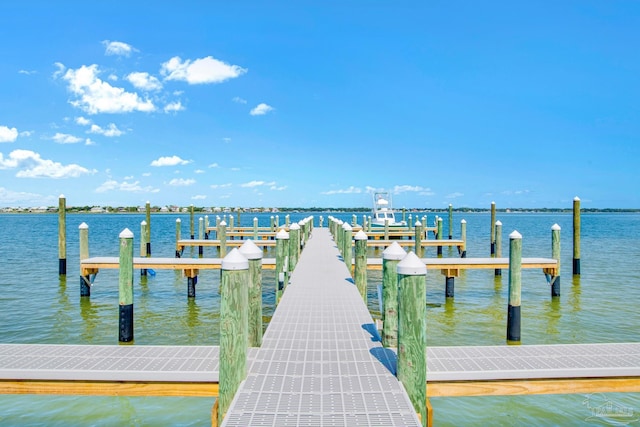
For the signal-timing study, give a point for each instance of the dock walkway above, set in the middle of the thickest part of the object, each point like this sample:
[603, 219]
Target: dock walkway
[319, 361]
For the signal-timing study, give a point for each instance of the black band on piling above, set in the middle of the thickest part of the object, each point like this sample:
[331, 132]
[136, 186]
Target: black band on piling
[513, 323]
[126, 323]
[143, 271]
[439, 250]
[62, 266]
[85, 289]
[498, 272]
[191, 286]
[200, 250]
[493, 248]
[449, 287]
[464, 254]
[148, 248]
[193, 236]
[576, 266]
[555, 286]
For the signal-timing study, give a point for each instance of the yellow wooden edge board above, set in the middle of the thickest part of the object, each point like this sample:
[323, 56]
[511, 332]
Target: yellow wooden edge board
[110, 388]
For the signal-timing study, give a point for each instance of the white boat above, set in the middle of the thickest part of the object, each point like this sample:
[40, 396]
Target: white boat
[383, 211]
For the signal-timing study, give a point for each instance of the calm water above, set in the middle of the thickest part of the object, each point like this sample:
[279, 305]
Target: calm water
[38, 306]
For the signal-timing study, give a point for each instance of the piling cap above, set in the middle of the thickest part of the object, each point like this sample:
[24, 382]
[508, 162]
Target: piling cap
[498, 223]
[83, 225]
[178, 220]
[464, 221]
[412, 266]
[200, 219]
[143, 222]
[515, 235]
[555, 227]
[126, 234]
[394, 252]
[235, 261]
[439, 219]
[417, 224]
[250, 250]
[346, 227]
[575, 199]
[294, 226]
[223, 223]
[282, 234]
[360, 235]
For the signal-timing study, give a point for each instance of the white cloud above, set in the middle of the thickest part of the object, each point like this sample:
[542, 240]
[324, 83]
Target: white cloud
[27, 72]
[199, 197]
[65, 138]
[8, 197]
[216, 186]
[60, 69]
[214, 165]
[97, 96]
[26, 133]
[173, 106]
[169, 161]
[118, 48]
[125, 186]
[8, 134]
[111, 130]
[88, 141]
[198, 171]
[261, 109]
[144, 81]
[82, 121]
[405, 188]
[199, 71]
[454, 195]
[239, 100]
[31, 165]
[350, 190]
[281, 188]
[181, 182]
[252, 184]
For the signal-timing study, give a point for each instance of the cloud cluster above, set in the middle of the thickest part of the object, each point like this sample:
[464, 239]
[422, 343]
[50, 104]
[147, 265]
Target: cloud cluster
[8, 134]
[169, 161]
[200, 71]
[261, 109]
[31, 165]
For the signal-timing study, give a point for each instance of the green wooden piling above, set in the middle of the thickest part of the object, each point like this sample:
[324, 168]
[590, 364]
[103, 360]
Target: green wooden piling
[231, 225]
[206, 226]
[143, 244]
[450, 221]
[498, 240]
[272, 223]
[412, 331]
[555, 254]
[255, 228]
[191, 223]
[515, 282]
[85, 281]
[147, 209]
[294, 245]
[418, 239]
[125, 287]
[254, 255]
[440, 236]
[348, 243]
[360, 270]
[463, 237]
[493, 231]
[576, 235]
[391, 256]
[282, 252]
[404, 214]
[410, 223]
[200, 234]
[234, 296]
[239, 212]
[62, 235]
[222, 236]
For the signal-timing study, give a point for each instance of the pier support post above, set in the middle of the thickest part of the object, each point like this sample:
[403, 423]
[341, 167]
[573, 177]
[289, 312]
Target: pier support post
[391, 256]
[576, 235]
[515, 278]
[200, 234]
[222, 236]
[321, 221]
[410, 223]
[255, 228]
[125, 288]
[463, 237]
[282, 260]
[440, 236]
[360, 271]
[206, 227]
[148, 219]
[272, 223]
[143, 245]
[254, 256]
[231, 222]
[178, 226]
[386, 229]
[191, 286]
[450, 221]
[62, 235]
[449, 286]
[412, 331]
[555, 254]
[347, 242]
[233, 327]
[493, 230]
[418, 239]
[498, 240]
[85, 281]
[294, 245]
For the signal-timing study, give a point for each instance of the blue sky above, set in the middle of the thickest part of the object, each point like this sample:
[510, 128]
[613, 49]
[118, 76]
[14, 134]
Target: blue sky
[527, 104]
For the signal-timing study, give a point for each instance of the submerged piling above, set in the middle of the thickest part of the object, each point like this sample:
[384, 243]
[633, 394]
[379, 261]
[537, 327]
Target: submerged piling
[515, 282]
[576, 235]
[62, 235]
[85, 281]
[555, 254]
[125, 287]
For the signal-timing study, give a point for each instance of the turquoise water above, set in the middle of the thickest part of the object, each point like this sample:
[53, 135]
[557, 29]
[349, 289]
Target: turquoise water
[41, 307]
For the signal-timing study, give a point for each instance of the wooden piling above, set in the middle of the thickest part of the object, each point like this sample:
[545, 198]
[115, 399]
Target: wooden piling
[178, 232]
[418, 239]
[254, 256]
[391, 256]
[440, 235]
[143, 244]
[148, 219]
[282, 252]
[360, 271]
[493, 230]
[386, 229]
[498, 245]
[412, 331]
[450, 221]
[125, 287]
[62, 235]
[347, 242]
[191, 225]
[410, 223]
[294, 245]
[255, 228]
[200, 234]
[576, 235]
[233, 327]
[463, 237]
[222, 236]
[206, 227]
[555, 254]
[231, 225]
[85, 281]
[272, 224]
[515, 285]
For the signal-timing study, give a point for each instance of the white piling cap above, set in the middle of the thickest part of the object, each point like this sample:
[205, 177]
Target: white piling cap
[360, 235]
[255, 218]
[294, 226]
[498, 222]
[250, 250]
[577, 199]
[235, 261]
[282, 234]
[418, 224]
[178, 220]
[515, 235]
[394, 252]
[126, 234]
[200, 219]
[143, 222]
[223, 223]
[346, 227]
[439, 219]
[61, 196]
[83, 225]
[464, 221]
[412, 266]
[555, 227]
[493, 203]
